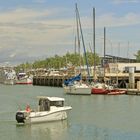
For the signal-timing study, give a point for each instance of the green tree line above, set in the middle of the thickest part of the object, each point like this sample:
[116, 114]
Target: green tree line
[57, 62]
[138, 56]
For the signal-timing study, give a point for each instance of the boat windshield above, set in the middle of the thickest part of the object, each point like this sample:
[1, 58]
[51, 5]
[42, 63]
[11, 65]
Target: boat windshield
[57, 103]
[44, 104]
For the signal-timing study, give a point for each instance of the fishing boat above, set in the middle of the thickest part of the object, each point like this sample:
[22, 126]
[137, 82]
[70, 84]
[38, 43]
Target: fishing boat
[23, 78]
[49, 109]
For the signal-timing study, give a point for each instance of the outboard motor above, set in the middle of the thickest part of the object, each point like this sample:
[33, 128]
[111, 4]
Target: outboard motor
[20, 117]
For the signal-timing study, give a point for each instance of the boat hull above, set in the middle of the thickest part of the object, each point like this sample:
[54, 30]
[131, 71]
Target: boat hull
[117, 92]
[48, 117]
[99, 91]
[24, 81]
[9, 82]
[107, 91]
[77, 91]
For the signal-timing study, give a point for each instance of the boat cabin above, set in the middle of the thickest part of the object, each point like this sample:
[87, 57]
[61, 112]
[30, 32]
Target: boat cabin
[21, 75]
[45, 103]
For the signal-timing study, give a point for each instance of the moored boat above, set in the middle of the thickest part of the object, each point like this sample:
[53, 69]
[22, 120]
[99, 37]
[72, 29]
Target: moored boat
[76, 86]
[78, 89]
[99, 91]
[23, 78]
[116, 92]
[49, 109]
[7, 76]
[106, 90]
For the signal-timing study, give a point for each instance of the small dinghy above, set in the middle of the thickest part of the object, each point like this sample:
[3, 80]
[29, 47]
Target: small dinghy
[49, 109]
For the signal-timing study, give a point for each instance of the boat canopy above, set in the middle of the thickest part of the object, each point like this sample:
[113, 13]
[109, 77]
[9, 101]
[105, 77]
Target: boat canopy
[22, 73]
[51, 98]
[46, 102]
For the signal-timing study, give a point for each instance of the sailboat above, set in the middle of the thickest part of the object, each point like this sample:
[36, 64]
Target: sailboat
[75, 85]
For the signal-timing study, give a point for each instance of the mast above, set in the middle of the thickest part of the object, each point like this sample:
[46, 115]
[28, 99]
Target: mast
[94, 41]
[83, 41]
[75, 45]
[78, 37]
[104, 49]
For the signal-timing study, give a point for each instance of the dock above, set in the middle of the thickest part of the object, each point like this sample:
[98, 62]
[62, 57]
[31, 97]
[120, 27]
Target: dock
[133, 92]
[57, 81]
[53, 81]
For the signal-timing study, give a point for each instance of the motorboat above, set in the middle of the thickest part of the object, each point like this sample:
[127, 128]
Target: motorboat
[23, 78]
[49, 109]
[101, 88]
[78, 88]
[7, 76]
[117, 92]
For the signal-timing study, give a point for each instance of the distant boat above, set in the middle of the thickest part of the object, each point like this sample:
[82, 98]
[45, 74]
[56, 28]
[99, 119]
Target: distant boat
[104, 89]
[23, 78]
[7, 76]
[50, 109]
[78, 89]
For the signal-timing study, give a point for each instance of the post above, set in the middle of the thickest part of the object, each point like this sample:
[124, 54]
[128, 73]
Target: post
[138, 85]
[131, 78]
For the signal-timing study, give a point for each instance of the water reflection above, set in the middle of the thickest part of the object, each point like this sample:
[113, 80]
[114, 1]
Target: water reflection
[43, 131]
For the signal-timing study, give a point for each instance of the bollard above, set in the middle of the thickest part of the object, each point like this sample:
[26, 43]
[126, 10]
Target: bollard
[131, 78]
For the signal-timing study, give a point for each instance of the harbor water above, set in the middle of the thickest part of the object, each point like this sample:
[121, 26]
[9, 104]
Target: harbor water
[93, 117]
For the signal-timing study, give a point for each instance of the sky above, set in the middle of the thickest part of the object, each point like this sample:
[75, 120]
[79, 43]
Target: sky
[33, 30]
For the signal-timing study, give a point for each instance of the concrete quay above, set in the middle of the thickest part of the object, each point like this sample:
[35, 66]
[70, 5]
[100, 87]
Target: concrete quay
[133, 92]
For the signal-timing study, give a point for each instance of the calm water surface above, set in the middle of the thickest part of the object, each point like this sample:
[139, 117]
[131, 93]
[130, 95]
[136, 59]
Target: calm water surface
[94, 117]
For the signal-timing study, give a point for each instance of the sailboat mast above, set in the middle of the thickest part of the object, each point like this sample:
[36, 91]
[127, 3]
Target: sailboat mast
[83, 41]
[78, 38]
[104, 49]
[94, 41]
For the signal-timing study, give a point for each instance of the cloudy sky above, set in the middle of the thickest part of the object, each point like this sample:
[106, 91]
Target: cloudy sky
[37, 29]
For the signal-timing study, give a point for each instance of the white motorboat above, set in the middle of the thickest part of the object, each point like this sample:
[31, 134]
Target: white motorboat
[23, 78]
[7, 76]
[78, 88]
[49, 109]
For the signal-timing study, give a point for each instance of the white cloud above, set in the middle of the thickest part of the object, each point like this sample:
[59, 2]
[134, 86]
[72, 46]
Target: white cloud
[112, 20]
[21, 15]
[29, 31]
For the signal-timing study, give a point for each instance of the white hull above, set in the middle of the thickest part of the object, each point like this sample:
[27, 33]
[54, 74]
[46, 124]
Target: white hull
[24, 81]
[9, 82]
[46, 116]
[77, 90]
